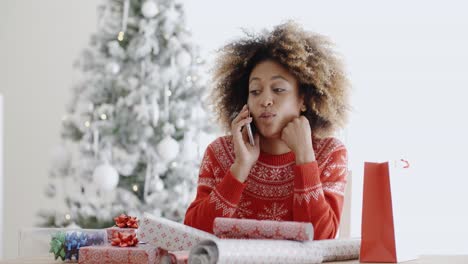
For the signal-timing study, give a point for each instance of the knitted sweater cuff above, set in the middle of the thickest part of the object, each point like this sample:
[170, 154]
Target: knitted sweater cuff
[230, 188]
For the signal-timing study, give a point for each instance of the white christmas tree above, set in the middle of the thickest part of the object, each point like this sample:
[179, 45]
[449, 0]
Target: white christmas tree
[136, 126]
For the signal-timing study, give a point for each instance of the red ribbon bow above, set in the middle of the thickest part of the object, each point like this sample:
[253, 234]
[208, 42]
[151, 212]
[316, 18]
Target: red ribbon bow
[124, 240]
[125, 221]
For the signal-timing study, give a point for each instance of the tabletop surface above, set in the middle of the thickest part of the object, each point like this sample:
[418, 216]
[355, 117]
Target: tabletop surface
[429, 259]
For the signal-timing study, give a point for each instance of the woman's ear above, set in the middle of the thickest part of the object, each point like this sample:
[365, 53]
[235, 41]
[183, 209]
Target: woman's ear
[303, 105]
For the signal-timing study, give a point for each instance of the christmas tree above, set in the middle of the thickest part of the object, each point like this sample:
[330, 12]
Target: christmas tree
[136, 127]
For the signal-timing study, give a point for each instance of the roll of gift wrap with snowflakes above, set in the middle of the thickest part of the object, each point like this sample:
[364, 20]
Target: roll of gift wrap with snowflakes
[339, 249]
[254, 251]
[274, 251]
[262, 229]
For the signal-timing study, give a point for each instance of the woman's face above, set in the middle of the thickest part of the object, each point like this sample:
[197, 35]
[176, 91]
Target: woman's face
[273, 98]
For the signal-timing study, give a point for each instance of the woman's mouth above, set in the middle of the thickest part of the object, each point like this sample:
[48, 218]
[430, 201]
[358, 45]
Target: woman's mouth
[267, 115]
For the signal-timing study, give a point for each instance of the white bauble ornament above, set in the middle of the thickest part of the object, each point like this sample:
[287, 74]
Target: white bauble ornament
[159, 186]
[149, 9]
[168, 149]
[180, 123]
[106, 177]
[112, 67]
[184, 59]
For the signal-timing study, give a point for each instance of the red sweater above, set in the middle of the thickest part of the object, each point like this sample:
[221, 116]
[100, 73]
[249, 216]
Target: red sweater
[276, 188]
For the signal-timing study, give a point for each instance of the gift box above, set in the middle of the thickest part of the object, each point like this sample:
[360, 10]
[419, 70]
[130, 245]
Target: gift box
[142, 253]
[113, 231]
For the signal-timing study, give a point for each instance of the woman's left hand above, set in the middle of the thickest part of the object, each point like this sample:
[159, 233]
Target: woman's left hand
[298, 136]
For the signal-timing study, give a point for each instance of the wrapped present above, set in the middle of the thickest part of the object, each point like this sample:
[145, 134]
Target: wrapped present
[262, 229]
[139, 254]
[124, 224]
[170, 235]
[66, 244]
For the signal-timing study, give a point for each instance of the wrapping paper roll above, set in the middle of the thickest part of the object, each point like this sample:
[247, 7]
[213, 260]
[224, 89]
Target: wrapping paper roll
[273, 251]
[339, 249]
[170, 235]
[262, 229]
[179, 257]
[254, 251]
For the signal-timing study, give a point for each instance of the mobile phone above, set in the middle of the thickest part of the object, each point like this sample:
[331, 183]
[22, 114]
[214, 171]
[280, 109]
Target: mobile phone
[250, 129]
[249, 133]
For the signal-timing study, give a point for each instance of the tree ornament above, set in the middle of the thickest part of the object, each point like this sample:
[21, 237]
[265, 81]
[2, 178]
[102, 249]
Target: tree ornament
[168, 149]
[184, 59]
[149, 9]
[106, 177]
[180, 123]
[112, 67]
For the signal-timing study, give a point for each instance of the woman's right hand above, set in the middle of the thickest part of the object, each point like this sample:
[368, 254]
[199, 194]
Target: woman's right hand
[246, 154]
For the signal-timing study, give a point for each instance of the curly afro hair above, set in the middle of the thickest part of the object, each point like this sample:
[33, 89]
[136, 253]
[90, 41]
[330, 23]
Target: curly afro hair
[307, 56]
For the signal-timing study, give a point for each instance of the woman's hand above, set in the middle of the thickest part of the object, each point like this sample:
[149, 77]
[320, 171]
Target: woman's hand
[246, 154]
[298, 136]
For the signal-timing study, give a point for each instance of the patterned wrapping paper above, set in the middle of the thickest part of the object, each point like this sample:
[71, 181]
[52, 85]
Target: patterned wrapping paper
[170, 235]
[273, 251]
[142, 253]
[254, 251]
[262, 229]
[111, 231]
[177, 257]
[339, 249]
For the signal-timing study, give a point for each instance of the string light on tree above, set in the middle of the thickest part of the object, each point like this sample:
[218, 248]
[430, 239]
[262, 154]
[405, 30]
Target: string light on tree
[87, 124]
[135, 188]
[103, 116]
[121, 35]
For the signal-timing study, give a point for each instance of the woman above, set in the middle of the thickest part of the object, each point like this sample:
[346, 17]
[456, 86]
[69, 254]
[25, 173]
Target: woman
[291, 88]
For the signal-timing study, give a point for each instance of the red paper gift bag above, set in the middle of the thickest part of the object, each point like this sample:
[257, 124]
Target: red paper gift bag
[382, 220]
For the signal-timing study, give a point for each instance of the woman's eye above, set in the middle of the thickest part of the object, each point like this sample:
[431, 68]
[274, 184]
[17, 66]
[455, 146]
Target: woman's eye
[279, 90]
[254, 92]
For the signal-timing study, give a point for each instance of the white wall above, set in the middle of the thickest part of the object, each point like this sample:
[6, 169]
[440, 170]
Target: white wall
[407, 62]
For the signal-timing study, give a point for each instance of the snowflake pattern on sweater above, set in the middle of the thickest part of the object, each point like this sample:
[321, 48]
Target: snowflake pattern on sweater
[276, 188]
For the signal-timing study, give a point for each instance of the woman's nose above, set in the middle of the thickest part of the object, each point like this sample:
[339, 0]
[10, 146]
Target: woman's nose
[267, 101]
